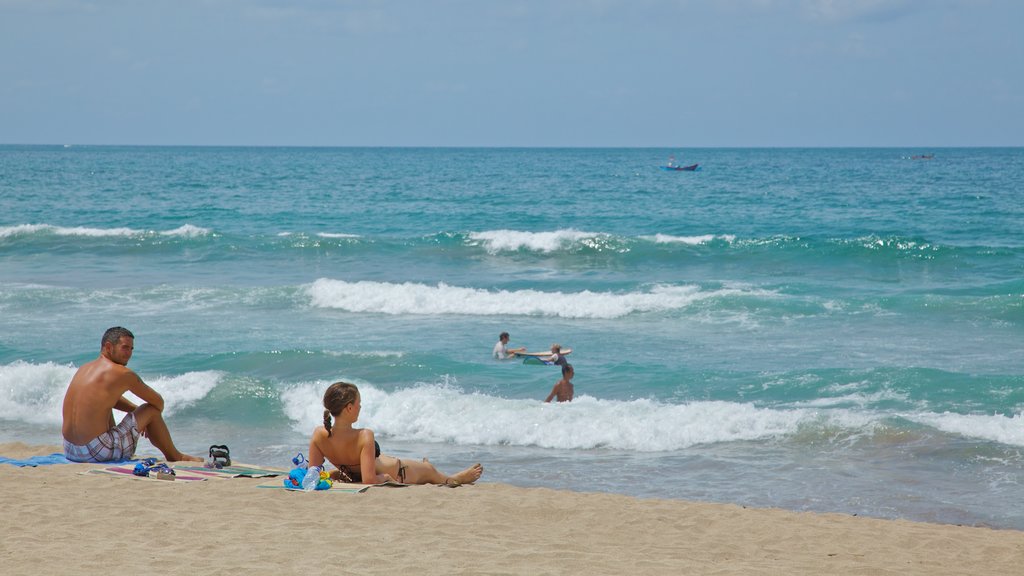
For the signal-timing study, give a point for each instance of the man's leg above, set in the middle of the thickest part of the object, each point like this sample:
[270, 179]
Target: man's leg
[150, 423]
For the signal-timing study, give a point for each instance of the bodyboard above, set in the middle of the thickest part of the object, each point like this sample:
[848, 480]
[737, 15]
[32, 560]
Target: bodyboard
[564, 352]
[534, 358]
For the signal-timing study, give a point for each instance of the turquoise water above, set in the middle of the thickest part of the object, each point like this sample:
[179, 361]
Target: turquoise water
[814, 329]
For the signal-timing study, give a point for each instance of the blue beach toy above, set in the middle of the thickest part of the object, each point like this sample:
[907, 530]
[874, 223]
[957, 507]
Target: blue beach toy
[296, 479]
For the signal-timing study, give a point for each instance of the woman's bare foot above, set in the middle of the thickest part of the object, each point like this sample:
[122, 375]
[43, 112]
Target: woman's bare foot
[467, 476]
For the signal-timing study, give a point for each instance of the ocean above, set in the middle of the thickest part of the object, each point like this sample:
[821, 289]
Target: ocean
[833, 330]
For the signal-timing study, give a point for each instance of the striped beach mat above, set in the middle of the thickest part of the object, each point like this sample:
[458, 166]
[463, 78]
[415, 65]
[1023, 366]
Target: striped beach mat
[236, 471]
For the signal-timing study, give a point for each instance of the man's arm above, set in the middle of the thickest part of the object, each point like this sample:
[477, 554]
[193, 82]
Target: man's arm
[553, 392]
[125, 405]
[142, 390]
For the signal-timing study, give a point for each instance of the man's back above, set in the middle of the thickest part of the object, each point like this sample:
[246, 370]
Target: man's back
[565, 391]
[90, 399]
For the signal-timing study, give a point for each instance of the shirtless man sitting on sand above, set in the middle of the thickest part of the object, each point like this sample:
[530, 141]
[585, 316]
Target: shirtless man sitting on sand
[97, 389]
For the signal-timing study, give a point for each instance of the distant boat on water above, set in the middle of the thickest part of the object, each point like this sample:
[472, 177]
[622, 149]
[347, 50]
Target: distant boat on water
[673, 167]
[690, 168]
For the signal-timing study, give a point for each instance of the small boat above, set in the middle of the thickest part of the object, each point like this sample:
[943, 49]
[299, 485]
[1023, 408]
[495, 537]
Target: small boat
[673, 168]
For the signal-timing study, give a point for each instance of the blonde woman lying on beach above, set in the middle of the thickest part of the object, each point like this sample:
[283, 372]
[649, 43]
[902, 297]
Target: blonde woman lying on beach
[357, 455]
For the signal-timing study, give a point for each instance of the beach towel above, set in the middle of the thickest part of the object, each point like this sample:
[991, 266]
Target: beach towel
[191, 472]
[337, 487]
[236, 471]
[56, 458]
[128, 472]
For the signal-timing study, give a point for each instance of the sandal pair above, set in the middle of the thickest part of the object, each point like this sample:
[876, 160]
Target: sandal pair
[220, 456]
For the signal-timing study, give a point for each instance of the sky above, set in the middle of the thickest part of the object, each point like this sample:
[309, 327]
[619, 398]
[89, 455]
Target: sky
[517, 73]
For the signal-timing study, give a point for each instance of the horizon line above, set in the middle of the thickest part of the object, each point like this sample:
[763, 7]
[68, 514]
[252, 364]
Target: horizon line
[511, 147]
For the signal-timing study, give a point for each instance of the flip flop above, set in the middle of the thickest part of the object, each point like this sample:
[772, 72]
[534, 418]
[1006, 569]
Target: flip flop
[163, 469]
[141, 469]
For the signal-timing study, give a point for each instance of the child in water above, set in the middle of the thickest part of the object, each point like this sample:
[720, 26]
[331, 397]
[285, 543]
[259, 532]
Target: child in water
[556, 356]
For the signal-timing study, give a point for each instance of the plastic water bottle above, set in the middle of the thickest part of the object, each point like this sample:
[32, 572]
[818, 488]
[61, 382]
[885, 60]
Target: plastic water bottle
[312, 478]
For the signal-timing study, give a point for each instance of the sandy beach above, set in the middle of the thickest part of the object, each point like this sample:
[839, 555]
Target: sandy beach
[58, 520]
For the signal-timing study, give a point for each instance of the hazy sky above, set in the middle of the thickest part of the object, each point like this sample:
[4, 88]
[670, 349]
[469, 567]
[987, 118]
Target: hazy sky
[666, 73]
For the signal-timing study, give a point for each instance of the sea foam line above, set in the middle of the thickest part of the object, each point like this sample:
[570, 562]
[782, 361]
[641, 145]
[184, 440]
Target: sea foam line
[991, 427]
[495, 241]
[414, 298]
[334, 235]
[690, 240]
[442, 413]
[186, 230]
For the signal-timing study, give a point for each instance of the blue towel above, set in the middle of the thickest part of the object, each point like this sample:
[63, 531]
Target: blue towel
[56, 458]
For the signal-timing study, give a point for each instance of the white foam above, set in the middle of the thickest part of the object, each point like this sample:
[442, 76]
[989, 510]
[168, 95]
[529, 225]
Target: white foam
[366, 354]
[303, 402]
[495, 241]
[440, 413]
[180, 392]
[689, 240]
[336, 235]
[856, 399]
[94, 232]
[22, 229]
[413, 298]
[994, 427]
[34, 393]
[187, 231]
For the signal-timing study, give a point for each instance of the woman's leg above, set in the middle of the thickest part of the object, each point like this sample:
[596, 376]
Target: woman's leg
[423, 472]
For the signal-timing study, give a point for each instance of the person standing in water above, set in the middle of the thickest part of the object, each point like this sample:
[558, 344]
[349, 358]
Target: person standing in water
[563, 389]
[501, 349]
